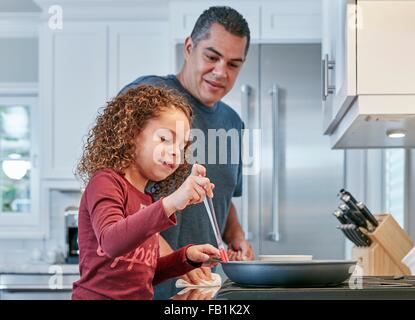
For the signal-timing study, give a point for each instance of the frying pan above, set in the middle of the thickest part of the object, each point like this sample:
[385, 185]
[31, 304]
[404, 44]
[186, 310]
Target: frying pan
[314, 273]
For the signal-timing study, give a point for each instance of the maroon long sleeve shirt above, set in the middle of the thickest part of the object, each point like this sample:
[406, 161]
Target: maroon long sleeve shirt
[118, 235]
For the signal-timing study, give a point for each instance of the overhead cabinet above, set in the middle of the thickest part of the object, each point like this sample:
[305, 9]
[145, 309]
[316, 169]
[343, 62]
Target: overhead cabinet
[83, 66]
[269, 21]
[368, 73]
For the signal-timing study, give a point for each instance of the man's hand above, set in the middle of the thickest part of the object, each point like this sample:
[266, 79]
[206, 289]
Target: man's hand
[240, 249]
[196, 276]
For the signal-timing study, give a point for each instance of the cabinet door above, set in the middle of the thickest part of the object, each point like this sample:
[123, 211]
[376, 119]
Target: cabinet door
[183, 15]
[338, 59]
[386, 47]
[291, 21]
[137, 49]
[73, 85]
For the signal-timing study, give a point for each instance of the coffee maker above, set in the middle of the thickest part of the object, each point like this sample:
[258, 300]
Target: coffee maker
[71, 235]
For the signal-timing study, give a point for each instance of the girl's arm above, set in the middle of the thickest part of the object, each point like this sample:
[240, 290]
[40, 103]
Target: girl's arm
[184, 260]
[117, 234]
[173, 265]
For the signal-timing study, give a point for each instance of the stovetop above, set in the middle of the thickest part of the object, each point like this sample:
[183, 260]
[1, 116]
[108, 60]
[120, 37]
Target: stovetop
[386, 287]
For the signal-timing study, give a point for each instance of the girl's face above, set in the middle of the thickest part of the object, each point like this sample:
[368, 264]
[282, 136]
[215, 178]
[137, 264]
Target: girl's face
[160, 146]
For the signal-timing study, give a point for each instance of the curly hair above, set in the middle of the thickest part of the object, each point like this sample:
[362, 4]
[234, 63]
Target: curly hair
[111, 142]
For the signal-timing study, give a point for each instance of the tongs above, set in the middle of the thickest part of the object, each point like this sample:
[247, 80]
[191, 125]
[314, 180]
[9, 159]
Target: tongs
[212, 217]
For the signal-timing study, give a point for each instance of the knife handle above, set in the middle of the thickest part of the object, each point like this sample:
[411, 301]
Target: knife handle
[367, 242]
[346, 234]
[369, 216]
[354, 238]
[343, 192]
[357, 219]
[340, 216]
[357, 236]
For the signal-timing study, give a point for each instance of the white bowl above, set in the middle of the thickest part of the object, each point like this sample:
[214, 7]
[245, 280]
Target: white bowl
[285, 257]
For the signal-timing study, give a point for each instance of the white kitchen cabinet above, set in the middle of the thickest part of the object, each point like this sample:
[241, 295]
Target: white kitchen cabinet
[136, 49]
[338, 59]
[381, 39]
[269, 21]
[289, 21]
[83, 66]
[73, 86]
[367, 72]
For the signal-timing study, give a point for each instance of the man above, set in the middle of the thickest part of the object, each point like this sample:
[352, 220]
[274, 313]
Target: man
[214, 55]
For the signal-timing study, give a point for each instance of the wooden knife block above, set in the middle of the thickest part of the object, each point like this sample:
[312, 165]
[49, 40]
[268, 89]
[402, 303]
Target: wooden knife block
[390, 243]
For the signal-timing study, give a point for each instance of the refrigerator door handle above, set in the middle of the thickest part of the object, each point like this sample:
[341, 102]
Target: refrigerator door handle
[275, 233]
[246, 116]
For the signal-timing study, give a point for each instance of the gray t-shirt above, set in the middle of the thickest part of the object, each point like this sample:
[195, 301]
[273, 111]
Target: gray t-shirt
[193, 224]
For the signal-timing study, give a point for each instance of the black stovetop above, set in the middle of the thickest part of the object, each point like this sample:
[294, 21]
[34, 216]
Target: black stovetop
[357, 288]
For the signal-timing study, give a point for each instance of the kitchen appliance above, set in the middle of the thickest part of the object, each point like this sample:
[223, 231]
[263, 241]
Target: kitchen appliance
[357, 288]
[369, 288]
[314, 273]
[71, 235]
[291, 173]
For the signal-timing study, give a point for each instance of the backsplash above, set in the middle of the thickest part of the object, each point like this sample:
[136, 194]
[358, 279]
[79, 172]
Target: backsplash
[26, 251]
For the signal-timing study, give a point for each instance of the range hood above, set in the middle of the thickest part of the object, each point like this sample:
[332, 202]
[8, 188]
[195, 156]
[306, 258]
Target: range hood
[377, 121]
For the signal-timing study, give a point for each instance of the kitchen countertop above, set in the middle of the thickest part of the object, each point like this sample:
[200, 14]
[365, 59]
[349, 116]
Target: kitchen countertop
[36, 278]
[39, 268]
[371, 288]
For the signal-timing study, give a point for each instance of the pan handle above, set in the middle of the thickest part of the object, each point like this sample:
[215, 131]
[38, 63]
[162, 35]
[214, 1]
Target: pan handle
[275, 233]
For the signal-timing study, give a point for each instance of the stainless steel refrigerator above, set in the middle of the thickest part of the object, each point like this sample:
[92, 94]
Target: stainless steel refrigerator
[286, 207]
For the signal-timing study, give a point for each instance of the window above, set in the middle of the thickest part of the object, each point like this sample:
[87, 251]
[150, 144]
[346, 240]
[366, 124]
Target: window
[19, 176]
[15, 143]
[394, 184]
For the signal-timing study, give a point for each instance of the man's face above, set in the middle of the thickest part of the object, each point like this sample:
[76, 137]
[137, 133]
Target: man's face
[213, 65]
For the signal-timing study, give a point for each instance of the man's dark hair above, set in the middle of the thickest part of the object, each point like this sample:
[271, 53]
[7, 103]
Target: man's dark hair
[229, 18]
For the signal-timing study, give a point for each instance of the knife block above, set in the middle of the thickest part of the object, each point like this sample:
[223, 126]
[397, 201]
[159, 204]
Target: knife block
[390, 243]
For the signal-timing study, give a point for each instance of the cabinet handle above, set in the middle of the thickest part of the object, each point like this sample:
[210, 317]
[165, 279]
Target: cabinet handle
[326, 66]
[246, 116]
[275, 233]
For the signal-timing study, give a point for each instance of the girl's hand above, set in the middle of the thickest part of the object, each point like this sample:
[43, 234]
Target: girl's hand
[193, 190]
[196, 276]
[203, 253]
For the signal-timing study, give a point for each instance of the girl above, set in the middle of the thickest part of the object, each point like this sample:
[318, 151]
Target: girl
[141, 136]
